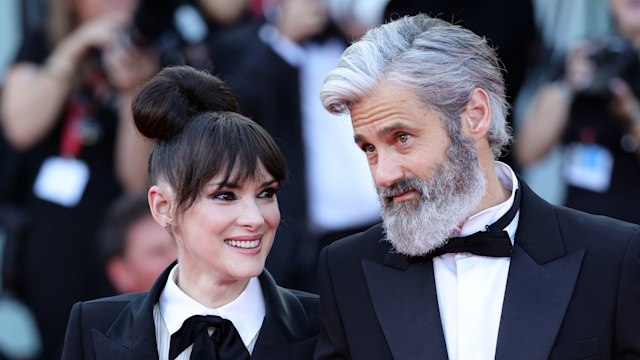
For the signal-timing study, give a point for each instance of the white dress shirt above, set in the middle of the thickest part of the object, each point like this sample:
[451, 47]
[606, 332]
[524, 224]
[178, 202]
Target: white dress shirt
[339, 188]
[471, 288]
[246, 313]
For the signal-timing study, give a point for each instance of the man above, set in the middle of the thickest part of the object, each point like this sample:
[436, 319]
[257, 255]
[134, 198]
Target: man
[134, 248]
[427, 105]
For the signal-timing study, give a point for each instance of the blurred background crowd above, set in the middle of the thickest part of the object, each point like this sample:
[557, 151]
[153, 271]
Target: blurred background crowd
[74, 222]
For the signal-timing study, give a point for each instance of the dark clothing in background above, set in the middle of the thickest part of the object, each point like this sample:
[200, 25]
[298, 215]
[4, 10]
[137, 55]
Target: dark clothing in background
[58, 261]
[592, 122]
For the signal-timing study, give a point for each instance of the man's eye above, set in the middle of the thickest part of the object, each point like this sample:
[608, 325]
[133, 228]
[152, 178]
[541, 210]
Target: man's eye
[368, 148]
[403, 138]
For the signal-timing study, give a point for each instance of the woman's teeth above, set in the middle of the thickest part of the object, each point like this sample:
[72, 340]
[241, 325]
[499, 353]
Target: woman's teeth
[243, 244]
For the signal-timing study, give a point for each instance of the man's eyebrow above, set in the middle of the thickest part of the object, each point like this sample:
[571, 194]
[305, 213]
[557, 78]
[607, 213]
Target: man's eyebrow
[384, 131]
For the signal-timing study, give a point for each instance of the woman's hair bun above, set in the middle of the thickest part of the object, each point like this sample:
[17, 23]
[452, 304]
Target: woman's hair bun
[167, 102]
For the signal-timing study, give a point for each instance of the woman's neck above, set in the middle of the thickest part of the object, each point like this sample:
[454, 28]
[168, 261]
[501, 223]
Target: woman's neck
[208, 289]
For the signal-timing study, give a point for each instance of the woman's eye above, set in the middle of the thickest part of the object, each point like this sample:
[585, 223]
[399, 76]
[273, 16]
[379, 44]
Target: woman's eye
[267, 193]
[403, 138]
[224, 196]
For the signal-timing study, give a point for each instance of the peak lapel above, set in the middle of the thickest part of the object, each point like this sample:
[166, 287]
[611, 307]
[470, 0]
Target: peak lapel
[541, 280]
[405, 301]
[286, 332]
[132, 335]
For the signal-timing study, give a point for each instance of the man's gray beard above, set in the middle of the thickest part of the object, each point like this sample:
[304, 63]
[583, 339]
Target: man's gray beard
[416, 227]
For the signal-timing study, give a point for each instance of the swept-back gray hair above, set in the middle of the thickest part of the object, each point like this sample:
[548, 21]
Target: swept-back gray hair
[441, 62]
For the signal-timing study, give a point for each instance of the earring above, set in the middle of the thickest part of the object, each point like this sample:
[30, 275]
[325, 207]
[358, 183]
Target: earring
[168, 227]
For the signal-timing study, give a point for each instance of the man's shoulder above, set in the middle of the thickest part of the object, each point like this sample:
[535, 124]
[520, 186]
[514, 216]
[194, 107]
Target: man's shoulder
[370, 236]
[582, 222]
[366, 244]
[600, 234]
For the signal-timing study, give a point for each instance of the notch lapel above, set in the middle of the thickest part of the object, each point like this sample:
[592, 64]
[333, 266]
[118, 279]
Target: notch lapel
[405, 301]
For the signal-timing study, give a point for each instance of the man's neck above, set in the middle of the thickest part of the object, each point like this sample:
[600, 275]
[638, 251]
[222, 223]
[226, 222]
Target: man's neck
[495, 193]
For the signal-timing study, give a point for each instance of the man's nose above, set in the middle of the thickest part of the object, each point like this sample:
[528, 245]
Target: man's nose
[387, 171]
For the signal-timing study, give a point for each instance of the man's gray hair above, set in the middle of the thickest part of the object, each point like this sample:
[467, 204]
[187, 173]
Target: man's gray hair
[441, 62]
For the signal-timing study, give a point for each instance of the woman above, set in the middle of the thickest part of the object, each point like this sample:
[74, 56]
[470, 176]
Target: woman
[215, 176]
[66, 109]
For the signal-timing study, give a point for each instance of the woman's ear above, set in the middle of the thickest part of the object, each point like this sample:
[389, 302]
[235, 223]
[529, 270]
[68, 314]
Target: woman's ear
[161, 202]
[476, 115]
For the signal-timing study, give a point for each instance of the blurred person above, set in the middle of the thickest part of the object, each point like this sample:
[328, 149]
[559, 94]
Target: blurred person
[468, 263]
[134, 248]
[591, 107]
[328, 198]
[66, 107]
[215, 175]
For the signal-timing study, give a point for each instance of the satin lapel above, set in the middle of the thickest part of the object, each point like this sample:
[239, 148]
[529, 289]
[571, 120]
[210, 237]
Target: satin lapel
[541, 280]
[536, 299]
[132, 335]
[287, 332]
[405, 302]
[270, 344]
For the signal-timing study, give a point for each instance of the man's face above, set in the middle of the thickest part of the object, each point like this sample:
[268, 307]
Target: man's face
[427, 183]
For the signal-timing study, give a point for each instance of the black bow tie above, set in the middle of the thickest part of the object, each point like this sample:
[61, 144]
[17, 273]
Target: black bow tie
[225, 342]
[494, 242]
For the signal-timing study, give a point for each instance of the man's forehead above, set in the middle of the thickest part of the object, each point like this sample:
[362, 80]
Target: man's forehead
[391, 102]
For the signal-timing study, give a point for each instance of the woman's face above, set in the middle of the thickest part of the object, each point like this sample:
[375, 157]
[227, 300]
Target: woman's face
[228, 232]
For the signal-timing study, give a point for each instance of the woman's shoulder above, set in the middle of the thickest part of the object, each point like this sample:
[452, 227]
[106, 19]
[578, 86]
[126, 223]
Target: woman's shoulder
[105, 310]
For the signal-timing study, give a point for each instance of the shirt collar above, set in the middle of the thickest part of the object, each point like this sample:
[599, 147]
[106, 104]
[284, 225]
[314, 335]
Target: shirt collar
[479, 221]
[246, 312]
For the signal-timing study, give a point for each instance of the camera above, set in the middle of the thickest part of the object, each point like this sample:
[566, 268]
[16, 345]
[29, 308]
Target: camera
[167, 27]
[613, 57]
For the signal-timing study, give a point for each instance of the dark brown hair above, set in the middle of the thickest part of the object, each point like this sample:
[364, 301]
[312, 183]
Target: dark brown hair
[193, 117]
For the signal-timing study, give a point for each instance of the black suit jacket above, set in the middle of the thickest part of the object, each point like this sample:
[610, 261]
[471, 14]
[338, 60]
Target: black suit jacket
[122, 327]
[573, 292]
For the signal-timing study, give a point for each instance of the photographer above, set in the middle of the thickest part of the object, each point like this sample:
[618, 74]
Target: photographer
[66, 110]
[594, 111]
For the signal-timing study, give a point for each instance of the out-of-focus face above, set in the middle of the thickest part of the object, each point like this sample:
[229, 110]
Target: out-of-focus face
[428, 183]
[228, 232]
[224, 11]
[148, 251]
[91, 9]
[626, 14]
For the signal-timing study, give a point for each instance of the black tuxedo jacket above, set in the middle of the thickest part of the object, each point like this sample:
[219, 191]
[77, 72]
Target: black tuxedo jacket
[122, 327]
[573, 292]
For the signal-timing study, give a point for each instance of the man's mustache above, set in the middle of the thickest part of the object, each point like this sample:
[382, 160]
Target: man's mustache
[387, 193]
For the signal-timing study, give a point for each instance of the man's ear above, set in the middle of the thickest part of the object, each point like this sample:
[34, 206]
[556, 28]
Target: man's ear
[476, 115]
[161, 204]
